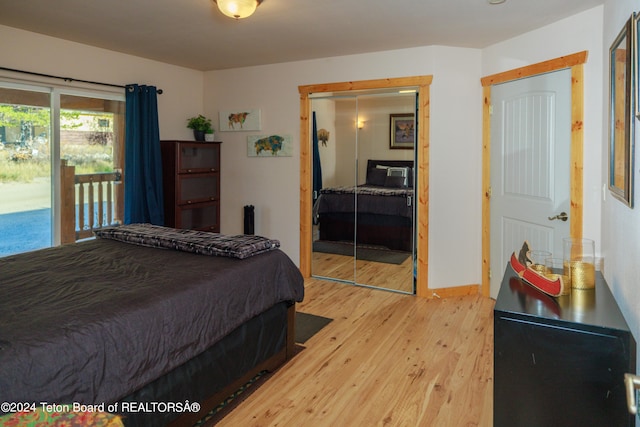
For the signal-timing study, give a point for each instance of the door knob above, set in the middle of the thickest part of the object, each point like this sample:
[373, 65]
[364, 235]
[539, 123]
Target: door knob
[562, 216]
[633, 383]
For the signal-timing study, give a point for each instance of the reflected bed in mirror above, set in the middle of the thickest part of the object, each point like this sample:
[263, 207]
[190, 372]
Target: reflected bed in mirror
[384, 208]
[383, 229]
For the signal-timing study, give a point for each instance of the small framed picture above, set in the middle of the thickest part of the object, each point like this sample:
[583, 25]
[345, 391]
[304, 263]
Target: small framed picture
[402, 131]
[239, 120]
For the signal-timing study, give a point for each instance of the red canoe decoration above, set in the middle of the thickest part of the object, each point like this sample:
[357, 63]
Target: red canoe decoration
[554, 287]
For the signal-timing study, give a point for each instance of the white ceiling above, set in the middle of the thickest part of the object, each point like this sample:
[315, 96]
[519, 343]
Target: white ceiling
[193, 34]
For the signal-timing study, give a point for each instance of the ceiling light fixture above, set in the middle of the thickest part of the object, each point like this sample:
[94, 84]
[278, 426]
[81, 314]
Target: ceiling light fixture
[238, 9]
[496, 1]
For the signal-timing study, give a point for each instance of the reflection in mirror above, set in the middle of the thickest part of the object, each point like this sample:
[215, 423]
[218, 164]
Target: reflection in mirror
[333, 237]
[363, 216]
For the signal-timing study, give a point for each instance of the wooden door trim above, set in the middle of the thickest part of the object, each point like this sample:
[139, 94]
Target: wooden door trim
[422, 83]
[576, 63]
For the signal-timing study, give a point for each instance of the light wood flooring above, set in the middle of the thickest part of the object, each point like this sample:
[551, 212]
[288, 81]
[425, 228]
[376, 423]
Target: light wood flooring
[398, 277]
[386, 359]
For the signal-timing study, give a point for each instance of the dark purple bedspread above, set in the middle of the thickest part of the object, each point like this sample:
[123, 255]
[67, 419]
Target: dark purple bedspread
[371, 200]
[94, 321]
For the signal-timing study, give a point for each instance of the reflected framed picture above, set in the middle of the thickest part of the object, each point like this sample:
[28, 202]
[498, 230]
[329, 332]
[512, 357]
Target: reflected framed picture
[402, 131]
[622, 113]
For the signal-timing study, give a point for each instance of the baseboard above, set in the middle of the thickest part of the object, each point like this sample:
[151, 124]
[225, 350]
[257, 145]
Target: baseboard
[454, 291]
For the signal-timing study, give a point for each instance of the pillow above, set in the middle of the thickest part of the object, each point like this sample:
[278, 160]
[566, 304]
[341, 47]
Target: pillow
[200, 242]
[376, 176]
[395, 181]
[401, 172]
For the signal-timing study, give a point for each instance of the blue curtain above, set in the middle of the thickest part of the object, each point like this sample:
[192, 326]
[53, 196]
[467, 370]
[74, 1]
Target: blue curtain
[317, 167]
[143, 200]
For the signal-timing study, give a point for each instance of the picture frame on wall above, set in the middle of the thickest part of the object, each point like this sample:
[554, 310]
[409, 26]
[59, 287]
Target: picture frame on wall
[622, 112]
[239, 120]
[402, 129]
[635, 18]
[275, 145]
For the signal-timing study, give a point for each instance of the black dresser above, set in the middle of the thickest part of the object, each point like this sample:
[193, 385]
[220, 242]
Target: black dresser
[560, 361]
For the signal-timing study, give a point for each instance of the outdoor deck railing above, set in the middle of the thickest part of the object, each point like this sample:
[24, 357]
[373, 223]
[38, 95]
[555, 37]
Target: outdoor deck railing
[89, 202]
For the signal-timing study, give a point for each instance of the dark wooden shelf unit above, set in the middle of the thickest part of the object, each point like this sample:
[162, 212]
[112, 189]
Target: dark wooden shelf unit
[191, 180]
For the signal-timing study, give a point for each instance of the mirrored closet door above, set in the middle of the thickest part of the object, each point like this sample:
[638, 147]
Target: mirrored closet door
[363, 190]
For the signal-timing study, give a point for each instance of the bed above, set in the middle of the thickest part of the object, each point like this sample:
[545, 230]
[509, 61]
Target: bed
[384, 208]
[146, 320]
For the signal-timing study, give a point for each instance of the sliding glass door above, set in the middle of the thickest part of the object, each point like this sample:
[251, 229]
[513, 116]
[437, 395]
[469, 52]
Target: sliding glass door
[92, 141]
[25, 170]
[38, 127]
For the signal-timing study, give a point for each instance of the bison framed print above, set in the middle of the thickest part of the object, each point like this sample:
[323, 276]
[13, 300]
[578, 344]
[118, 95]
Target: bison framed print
[239, 120]
[269, 146]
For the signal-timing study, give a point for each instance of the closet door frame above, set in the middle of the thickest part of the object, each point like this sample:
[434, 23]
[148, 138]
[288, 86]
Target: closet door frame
[422, 85]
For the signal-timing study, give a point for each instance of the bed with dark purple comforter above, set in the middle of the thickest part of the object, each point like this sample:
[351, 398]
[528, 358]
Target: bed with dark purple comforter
[98, 321]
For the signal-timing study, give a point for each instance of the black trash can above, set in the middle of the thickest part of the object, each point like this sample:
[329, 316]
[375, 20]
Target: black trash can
[249, 220]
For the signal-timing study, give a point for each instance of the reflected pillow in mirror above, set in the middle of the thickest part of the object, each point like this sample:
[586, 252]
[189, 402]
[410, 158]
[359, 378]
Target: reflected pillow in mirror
[401, 172]
[395, 181]
[376, 176]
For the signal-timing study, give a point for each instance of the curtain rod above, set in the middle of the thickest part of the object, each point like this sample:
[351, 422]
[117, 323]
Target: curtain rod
[67, 79]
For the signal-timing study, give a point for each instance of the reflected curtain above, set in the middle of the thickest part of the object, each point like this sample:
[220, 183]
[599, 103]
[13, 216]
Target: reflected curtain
[143, 200]
[317, 167]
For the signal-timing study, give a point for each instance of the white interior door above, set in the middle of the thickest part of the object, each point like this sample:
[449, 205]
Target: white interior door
[530, 164]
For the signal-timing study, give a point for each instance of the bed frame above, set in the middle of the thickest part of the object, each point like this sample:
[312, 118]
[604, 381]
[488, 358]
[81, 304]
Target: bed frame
[221, 370]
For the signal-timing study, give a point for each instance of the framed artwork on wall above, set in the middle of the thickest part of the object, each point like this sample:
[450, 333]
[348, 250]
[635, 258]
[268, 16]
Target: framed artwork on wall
[269, 146]
[402, 131]
[622, 111]
[635, 18]
[239, 120]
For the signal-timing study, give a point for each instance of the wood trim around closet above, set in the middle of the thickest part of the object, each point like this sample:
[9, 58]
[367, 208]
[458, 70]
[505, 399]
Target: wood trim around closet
[576, 63]
[422, 84]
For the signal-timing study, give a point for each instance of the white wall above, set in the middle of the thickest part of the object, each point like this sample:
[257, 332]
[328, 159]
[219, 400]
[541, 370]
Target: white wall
[183, 87]
[620, 224]
[272, 185]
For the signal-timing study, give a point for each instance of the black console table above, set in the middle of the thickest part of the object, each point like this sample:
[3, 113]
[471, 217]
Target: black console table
[560, 361]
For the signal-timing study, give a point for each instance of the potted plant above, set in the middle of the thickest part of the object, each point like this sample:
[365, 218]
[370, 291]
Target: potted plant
[200, 125]
[209, 134]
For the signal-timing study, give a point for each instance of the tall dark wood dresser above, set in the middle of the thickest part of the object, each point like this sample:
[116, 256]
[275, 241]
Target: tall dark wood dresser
[191, 181]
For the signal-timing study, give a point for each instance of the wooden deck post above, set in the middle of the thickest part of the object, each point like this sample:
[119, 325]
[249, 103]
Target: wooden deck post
[68, 203]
